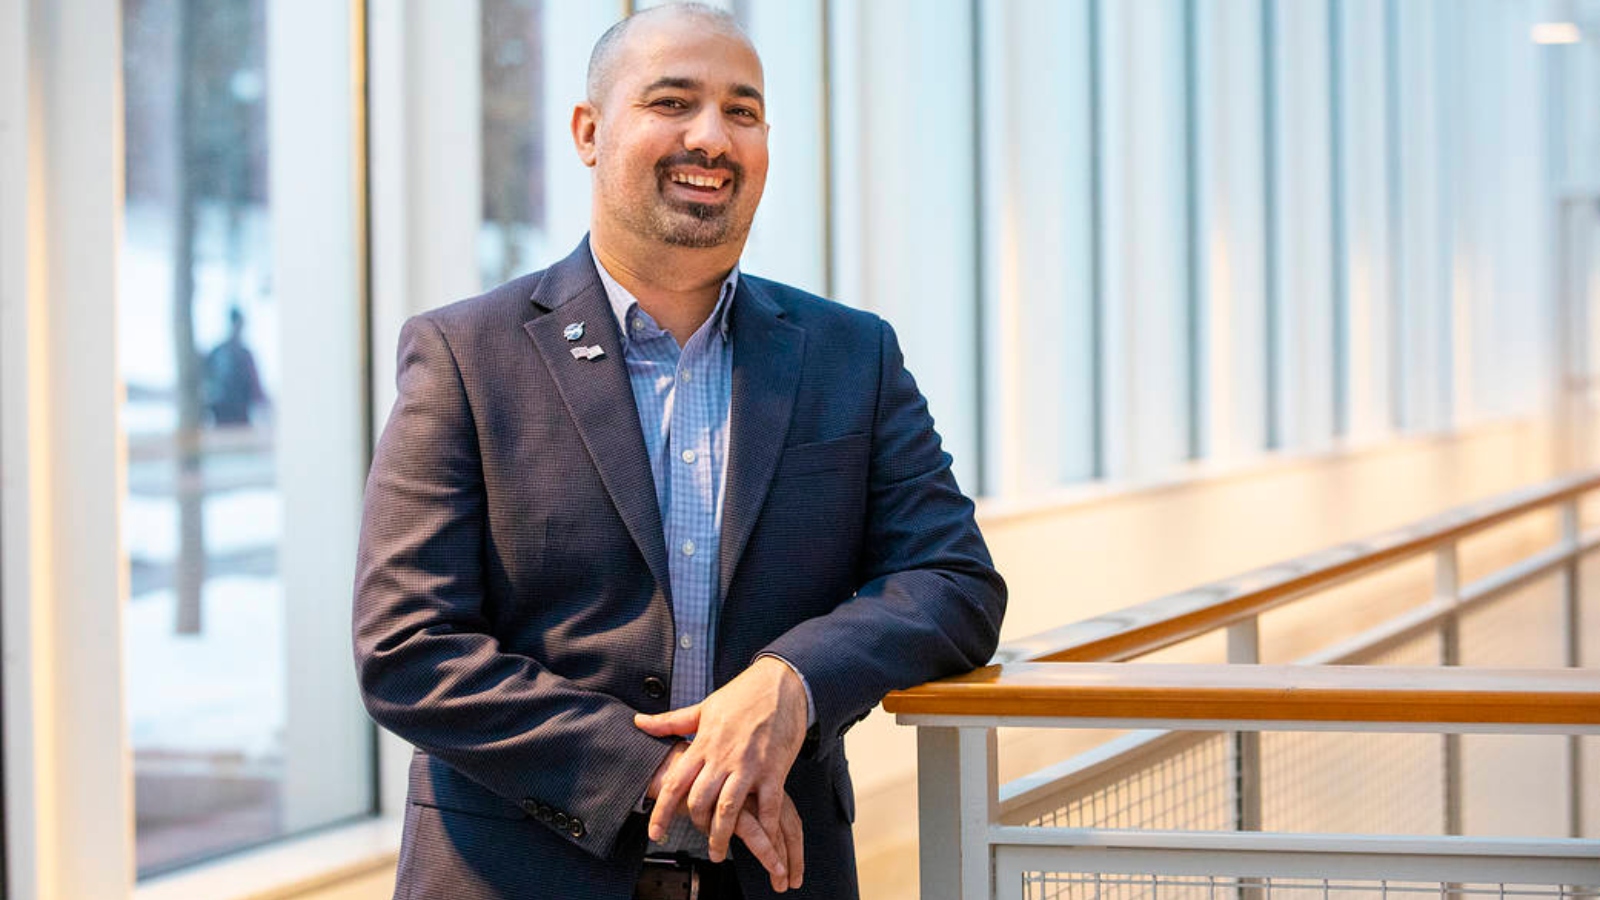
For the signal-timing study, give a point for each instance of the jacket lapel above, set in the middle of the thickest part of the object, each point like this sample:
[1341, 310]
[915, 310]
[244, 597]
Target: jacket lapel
[767, 355]
[599, 397]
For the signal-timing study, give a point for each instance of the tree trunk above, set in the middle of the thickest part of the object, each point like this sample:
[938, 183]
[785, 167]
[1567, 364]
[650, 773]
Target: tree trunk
[190, 567]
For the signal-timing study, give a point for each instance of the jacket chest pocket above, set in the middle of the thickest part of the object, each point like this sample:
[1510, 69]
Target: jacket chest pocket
[840, 455]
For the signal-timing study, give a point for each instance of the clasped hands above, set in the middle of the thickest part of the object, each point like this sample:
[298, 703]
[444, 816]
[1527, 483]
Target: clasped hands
[729, 780]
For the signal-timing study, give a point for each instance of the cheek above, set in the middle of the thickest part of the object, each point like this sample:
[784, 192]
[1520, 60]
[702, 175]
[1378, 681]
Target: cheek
[756, 178]
[755, 163]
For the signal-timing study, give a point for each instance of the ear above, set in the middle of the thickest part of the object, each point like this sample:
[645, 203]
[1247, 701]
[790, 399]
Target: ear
[584, 120]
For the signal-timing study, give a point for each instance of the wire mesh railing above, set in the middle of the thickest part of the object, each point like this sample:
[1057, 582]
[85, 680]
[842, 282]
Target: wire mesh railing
[1505, 784]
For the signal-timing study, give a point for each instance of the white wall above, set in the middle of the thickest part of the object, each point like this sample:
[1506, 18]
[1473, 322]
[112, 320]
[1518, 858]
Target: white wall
[68, 784]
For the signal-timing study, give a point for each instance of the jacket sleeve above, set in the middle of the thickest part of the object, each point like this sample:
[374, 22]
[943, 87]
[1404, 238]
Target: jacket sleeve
[930, 601]
[430, 668]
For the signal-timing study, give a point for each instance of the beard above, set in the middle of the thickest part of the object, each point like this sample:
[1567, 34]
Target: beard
[693, 224]
[698, 225]
[681, 223]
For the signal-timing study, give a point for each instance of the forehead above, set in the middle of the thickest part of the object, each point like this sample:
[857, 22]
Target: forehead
[688, 49]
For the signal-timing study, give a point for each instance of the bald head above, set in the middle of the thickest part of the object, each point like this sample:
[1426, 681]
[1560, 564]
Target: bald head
[608, 51]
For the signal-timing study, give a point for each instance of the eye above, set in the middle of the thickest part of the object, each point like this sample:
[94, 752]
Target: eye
[671, 104]
[745, 112]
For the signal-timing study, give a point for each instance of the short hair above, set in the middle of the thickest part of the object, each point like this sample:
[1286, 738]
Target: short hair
[603, 58]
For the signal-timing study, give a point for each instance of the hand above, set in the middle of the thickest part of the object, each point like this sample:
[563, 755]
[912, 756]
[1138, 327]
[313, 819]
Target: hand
[747, 735]
[782, 855]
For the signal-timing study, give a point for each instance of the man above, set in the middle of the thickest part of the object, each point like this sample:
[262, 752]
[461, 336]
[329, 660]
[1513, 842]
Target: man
[641, 497]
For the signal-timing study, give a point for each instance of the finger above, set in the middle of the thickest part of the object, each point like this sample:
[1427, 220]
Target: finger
[702, 799]
[779, 842]
[764, 849]
[674, 722]
[730, 803]
[769, 807]
[794, 837]
[675, 787]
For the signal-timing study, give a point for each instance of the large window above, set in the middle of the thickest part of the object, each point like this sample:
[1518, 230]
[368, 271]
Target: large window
[230, 320]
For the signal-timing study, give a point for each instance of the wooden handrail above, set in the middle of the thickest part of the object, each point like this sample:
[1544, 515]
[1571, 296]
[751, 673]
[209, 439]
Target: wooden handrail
[1253, 693]
[1150, 626]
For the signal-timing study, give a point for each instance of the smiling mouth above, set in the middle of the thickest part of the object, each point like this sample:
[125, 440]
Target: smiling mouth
[708, 183]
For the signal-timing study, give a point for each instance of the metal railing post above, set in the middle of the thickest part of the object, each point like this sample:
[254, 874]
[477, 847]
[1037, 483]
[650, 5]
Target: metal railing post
[1447, 589]
[1244, 648]
[957, 802]
[1572, 622]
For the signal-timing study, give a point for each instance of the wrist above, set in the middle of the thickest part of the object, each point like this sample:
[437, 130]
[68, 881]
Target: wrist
[793, 698]
[793, 692]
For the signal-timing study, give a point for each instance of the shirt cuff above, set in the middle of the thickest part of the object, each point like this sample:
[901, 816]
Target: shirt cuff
[811, 704]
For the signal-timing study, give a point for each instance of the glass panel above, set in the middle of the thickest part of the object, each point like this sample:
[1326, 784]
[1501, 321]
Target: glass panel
[533, 69]
[203, 358]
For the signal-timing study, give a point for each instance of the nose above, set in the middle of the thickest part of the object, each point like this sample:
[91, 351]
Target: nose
[708, 133]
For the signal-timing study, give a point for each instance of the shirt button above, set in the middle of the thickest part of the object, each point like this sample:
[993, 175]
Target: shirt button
[688, 548]
[638, 324]
[686, 642]
[688, 376]
[688, 456]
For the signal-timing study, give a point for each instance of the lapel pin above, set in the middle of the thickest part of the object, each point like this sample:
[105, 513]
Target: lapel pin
[588, 352]
[573, 332]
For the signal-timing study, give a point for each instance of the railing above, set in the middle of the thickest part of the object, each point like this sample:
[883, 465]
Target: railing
[1359, 771]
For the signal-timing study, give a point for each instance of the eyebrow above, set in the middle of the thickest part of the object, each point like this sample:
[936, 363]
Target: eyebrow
[689, 84]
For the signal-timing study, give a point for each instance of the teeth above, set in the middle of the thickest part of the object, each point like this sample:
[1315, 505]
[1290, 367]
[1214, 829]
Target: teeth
[697, 180]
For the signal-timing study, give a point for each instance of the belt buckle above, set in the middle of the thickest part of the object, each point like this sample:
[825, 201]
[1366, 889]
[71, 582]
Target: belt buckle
[680, 867]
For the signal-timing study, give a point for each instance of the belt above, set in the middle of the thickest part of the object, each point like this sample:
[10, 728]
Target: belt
[678, 877]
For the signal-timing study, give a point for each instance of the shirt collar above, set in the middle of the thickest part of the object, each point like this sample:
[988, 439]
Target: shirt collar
[624, 304]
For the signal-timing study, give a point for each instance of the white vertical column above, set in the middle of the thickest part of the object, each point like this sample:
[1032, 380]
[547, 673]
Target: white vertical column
[1424, 325]
[1145, 319]
[427, 173]
[910, 200]
[424, 134]
[1302, 198]
[1038, 244]
[1524, 287]
[386, 78]
[316, 277]
[1476, 100]
[846, 142]
[787, 241]
[1231, 219]
[68, 790]
[1510, 285]
[569, 33]
[444, 130]
[1458, 201]
[1363, 157]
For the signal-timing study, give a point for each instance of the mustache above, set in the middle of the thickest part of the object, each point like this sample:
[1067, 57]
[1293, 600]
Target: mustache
[700, 159]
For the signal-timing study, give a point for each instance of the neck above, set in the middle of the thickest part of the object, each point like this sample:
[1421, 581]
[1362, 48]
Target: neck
[677, 286]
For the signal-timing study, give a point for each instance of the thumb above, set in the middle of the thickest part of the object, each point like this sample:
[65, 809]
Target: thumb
[674, 722]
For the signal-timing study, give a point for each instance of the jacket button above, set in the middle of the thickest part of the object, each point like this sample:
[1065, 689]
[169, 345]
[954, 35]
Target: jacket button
[654, 688]
[577, 829]
[561, 821]
[530, 806]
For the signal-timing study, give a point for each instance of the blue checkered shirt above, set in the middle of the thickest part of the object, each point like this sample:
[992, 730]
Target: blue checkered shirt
[683, 398]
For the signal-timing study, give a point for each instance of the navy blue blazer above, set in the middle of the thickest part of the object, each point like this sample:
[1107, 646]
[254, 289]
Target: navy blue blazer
[512, 603]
